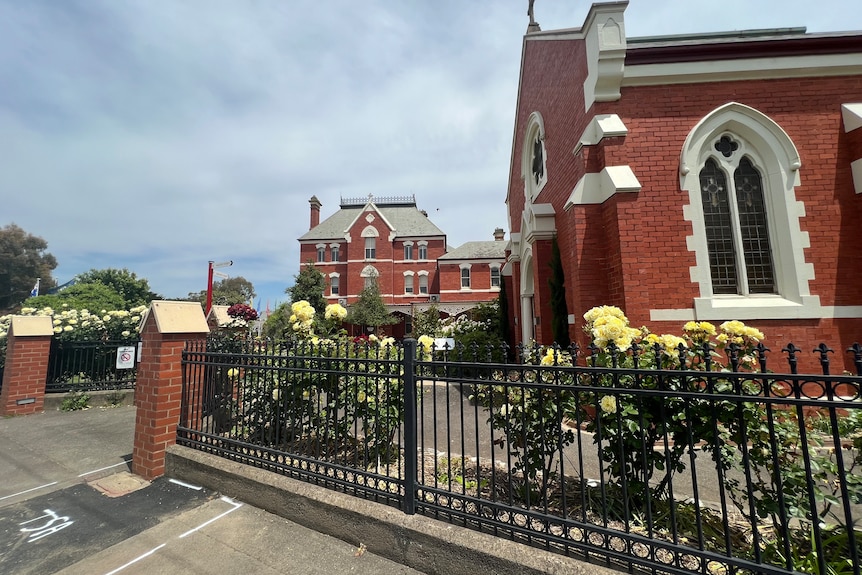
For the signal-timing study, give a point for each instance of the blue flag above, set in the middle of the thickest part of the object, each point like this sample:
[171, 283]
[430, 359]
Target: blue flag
[35, 291]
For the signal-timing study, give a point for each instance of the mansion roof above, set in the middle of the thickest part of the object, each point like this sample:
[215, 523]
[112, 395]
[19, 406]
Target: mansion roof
[407, 220]
[477, 251]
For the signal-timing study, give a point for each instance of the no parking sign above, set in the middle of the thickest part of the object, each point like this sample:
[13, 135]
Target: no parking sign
[125, 357]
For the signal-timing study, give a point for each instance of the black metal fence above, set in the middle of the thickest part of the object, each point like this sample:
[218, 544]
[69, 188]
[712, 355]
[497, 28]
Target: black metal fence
[88, 366]
[647, 459]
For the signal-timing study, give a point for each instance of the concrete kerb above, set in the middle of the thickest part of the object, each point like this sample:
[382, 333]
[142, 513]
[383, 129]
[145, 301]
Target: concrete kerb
[428, 545]
[120, 397]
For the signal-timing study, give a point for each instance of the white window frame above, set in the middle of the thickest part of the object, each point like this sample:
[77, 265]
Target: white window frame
[321, 253]
[370, 248]
[495, 274]
[334, 284]
[423, 250]
[334, 254]
[369, 275]
[466, 276]
[408, 282]
[534, 134]
[776, 156]
[423, 282]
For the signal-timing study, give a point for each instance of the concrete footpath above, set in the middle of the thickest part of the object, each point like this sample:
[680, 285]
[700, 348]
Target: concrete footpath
[69, 505]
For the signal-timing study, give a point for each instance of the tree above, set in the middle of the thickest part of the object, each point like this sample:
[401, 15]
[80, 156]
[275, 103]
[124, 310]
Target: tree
[227, 291]
[93, 297]
[309, 285]
[559, 309]
[427, 322]
[23, 260]
[369, 309]
[278, 324]
[505, 331]
[134, 291]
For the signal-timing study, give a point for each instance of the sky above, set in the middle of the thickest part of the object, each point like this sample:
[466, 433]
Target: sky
[158, 135]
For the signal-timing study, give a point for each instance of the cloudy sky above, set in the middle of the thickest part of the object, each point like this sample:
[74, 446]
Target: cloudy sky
[157, 135]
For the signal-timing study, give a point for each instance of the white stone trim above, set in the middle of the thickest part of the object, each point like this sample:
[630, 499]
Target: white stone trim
[600, 127]
[742, 69]
[535, 130]
[856, 170]
[605, 41]
[690, 314]
[852, 116]
[596, 188]
[370, 232]
[539, 223]
[369, 271]
[776, 157]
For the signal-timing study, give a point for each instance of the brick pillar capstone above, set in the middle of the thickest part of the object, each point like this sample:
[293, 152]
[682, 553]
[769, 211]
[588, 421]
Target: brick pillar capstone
[28, 346]
[168, 325]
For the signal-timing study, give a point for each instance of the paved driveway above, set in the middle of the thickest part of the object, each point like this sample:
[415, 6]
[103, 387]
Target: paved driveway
[69, 505]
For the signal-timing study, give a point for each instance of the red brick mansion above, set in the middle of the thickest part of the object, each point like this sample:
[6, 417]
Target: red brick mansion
[392, 242]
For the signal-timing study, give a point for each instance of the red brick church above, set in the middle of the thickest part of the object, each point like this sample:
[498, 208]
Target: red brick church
[690, 177]
[392, 242]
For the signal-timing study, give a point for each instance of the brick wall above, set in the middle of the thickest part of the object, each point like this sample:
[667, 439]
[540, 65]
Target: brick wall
[25, 374]
[158, 397]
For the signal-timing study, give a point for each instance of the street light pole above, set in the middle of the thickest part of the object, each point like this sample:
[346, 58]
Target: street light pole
[210, 269]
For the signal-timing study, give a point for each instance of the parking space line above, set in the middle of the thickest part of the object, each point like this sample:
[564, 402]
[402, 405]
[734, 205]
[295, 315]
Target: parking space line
[124, 462]
[136, 559]
[216, 518]
[28, 490]
[184, 484]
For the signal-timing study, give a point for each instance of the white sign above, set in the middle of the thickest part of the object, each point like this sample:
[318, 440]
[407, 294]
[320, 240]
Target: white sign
[444, 344]
[125, 357]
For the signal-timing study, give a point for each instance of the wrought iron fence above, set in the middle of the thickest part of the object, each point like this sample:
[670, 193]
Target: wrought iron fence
[87, 366]
[683, 462]
[327, 415]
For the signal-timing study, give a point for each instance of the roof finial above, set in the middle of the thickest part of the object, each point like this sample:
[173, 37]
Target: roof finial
[533, 26]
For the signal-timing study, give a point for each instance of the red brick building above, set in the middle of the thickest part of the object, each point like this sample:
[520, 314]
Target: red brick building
[709, 177]
[392, 242]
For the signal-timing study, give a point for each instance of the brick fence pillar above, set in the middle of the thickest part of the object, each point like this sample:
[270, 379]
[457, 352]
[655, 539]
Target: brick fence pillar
[158, 391]
[28, 346]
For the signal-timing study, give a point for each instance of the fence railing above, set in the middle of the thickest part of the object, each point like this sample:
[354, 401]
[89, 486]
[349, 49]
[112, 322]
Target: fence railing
[681, 468]
[87, 366]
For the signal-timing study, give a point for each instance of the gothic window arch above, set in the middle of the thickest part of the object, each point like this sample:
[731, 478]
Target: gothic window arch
[740, 170]
[369, 275]
[534, 157]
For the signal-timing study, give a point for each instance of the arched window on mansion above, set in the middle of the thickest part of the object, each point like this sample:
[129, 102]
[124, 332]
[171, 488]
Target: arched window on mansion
[369, 275]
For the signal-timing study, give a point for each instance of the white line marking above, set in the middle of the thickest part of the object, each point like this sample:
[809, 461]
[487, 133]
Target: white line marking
[184, 484]
[28, 490]
[136, 559]
[216, 518]
[104, 468]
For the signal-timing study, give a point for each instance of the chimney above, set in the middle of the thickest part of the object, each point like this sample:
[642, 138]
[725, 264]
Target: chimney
[315, 212]
[499, 235]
